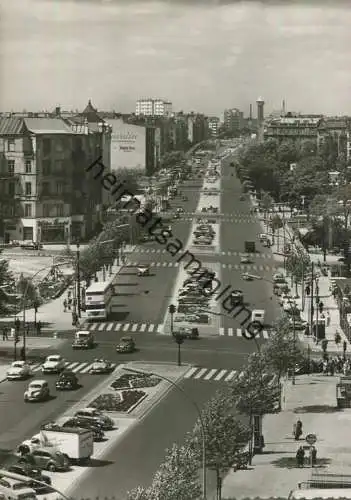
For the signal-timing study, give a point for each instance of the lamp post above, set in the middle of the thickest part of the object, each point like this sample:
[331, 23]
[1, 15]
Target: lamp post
[201, 422]
[179, 338]
[78, 282]
[172, 309]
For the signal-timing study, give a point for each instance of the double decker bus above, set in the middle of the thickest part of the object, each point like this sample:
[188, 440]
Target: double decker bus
[98, 301]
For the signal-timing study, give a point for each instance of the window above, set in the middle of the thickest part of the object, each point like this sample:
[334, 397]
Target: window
[59, 187]
[45, 188]
[11, 166]
[46, 167]
[12, 189]
[59, 210]
[28, 166]
[27, 210]
[58, 166]
[10, 145]
[28, 187]
[46, 146]
[46, 210]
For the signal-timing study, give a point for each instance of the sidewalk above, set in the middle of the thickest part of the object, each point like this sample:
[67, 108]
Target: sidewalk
[274, 473]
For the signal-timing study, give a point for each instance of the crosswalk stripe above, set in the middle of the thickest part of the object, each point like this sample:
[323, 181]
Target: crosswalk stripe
[200, 373]
[143, 327]
[191, 372]
[118, 327]
[101, 327]
[80, 367]
[220, 375]
[151, 327]
[230, 332]
[36, 368]
[70, 366]
[93, 326]
[239, 332]
[134, 327]
[230, 376]
[210, 374]
[125, 327]
[86, 368]
[109, 326]
[221, 331]
[160, 329]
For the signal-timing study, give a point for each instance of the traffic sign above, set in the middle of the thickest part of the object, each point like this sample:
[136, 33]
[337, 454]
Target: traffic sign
[311, 439]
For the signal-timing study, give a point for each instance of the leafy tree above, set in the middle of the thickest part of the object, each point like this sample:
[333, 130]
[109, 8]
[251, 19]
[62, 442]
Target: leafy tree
[6, 279]
[297, 265]
[282, 351]
[177, 476]
[139, 493]
[225, 434]
[171, 159]
[27, 289]
[129, 177]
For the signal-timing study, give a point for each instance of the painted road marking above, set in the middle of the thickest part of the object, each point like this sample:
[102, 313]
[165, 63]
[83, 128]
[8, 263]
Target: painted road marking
[220, 375]
[221, 331]
[191, 372]
[126, 327]
[143, 327]
[230, 332]
[135, 327]
[239, 332]
[200, 373]
[230, 376]
[151, 328]
[109, 326]
[101, 327]
[210, 374]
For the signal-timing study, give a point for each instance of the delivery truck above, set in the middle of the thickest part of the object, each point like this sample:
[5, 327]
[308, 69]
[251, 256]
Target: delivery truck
[76, 444]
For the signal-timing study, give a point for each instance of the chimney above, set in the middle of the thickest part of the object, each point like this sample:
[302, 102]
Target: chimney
[57, 111]
[250, 116]
[283, 108]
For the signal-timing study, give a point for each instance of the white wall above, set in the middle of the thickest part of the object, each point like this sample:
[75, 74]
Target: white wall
[128, 143]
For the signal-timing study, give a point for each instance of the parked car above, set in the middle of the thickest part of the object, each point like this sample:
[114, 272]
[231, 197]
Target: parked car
[37, 390]
[126, 345]
[82, 423]
[67, 381]
[143, 270]
[93, 415]
[13, 489]
[188, 332]
[46, 458]
[31, 245]
[100, 366]
[53, 364]
[31, 473]
[19, 370]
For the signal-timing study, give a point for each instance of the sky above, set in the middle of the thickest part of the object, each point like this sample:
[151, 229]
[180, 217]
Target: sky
[203, 55]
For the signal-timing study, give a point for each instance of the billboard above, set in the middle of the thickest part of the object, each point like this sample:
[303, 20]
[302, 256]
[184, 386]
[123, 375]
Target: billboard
[128, 143]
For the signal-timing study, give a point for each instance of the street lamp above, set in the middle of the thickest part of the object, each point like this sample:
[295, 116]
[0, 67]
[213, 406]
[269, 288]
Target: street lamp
[78, 282]
[172, 309]
[201, 422]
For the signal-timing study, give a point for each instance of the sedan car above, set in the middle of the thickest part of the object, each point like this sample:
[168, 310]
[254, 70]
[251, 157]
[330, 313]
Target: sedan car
[143, 270]
[67, 381]
[245, 259]
[93, 415]
[19, 370]
[100, 366]
[126, 345]
[203, 241]
[82, 423]
[31, 473]
[37, 390]
[53, 364]
[188, 332]
[13, 488]
[247, 277]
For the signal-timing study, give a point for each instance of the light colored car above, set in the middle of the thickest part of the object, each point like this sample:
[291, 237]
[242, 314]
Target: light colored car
[143, 270]
[19, 370]
[53, 364]
[100, 366]
[247, 277]
[37, 390]
[14, 489]
[283, 298]
[245, 259]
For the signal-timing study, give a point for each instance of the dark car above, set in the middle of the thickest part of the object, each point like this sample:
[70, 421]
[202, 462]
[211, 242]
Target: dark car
[126, 345]
[67, 381]
[237, 297]
[188, 333]
[25, 469]
[82, 423]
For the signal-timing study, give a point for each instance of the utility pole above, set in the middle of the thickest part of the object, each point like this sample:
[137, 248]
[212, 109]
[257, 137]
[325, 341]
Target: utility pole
[311, 300]
[78, 281]
[294, 347]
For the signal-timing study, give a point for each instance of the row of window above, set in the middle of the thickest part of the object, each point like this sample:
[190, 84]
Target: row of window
[59, 188]
[47, 167]
[11, 166]
[48, 210]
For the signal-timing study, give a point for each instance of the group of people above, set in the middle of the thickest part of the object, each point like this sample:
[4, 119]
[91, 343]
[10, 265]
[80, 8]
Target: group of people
[300, 453]
[337, 364]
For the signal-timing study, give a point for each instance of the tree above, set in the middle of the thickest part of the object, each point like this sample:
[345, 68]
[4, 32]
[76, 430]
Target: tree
[6, 279]
[225, 434]
[27, 289]
[297, 265]
[282, 351]
[171, 159]
[139, 493]
[177, 477]
[129, 178]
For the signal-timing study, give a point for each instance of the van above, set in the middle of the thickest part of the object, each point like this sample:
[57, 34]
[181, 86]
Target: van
[258, 316]
[83, 339]
[311, 493]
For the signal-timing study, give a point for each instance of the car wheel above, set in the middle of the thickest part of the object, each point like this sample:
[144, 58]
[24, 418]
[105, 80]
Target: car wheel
[51, 467]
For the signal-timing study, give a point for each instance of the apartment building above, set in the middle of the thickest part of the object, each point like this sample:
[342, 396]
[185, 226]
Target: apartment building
[153, 107]
[198, 129]
[292, 127]
[46, 194]
[335, 132]
[213, 125]
[233, 120]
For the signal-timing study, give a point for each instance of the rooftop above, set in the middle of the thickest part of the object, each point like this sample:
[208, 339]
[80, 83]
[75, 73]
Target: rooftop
[47, 126]
[12, 126]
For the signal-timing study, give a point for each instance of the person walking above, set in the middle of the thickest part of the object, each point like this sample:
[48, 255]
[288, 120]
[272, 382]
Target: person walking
[298, 430]
[300, 457]
[4, 334]
[65, 305]
[313, 456]
[39, 328]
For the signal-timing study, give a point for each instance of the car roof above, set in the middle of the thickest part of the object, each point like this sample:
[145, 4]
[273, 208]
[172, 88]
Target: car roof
[38, 381]
[68, 372]
[126, 338]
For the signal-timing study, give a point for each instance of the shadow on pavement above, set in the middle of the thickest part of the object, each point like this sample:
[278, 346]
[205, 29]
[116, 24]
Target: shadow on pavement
[290, 463]
[317, 409]
[93, 462]
[119, 316]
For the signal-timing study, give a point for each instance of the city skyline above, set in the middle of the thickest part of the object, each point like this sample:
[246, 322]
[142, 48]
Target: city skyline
[202, 57]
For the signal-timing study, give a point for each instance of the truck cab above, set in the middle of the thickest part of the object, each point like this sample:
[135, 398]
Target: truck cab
[258, 316]
[83, 339]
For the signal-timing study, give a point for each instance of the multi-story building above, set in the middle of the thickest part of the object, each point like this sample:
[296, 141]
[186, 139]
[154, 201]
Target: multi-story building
[47, 193]
[213, 125]
[153, 107]
[198, 129]
[289, 127]
[233, 120]
[335, 131]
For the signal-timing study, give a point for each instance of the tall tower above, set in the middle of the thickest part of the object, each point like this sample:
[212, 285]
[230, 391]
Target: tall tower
[260, 118]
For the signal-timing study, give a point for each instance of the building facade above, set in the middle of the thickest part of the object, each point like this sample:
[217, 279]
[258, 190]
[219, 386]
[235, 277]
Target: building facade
[198, 129]
[233, 120]
[153, 107]
[213, 125]
[295, 128]
[334, 130]
[46, 192]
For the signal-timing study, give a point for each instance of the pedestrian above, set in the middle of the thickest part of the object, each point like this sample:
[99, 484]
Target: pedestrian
[4, 334]
[321, 307]
[328, 318]
[69, 303]
[65, 305]
[298, 430]
[313, 456]
[23, 354]
[337, 338]
[39, 327]
[300, 457]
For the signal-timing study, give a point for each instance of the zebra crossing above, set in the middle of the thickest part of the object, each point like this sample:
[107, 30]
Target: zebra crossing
[75, 366]
[235, 267]
[211, 374]
[259, 255]
[133, 328]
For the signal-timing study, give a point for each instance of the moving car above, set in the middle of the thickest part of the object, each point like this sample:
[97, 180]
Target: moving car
[53, 364]
[67, 381]
[31, 245]
[37, 390]
[13, 489]
[47, 458]
[19, 370]
[245, 259]
[143, 270]
[30, 473]
[247, 277]
[126, 345]
[93, 415]
[83, 339]
[100, 366]
[81, 423]
[188, 332]
[237, 297]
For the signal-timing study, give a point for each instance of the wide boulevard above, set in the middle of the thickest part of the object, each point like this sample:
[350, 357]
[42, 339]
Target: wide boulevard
[144, 301]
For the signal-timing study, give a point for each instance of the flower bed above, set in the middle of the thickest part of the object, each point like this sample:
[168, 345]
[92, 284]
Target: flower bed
[122, 401]
[130, 381]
